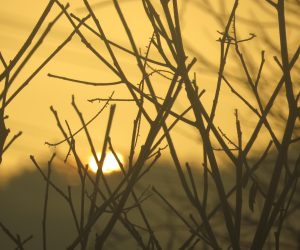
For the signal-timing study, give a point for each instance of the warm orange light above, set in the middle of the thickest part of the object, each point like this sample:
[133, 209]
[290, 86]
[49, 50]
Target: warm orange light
[110, 163]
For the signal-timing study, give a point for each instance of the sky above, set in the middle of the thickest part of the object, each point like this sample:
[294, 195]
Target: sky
[30, 112]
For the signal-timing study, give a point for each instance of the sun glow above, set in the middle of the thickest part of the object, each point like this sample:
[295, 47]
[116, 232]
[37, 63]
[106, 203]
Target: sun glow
[110, 164]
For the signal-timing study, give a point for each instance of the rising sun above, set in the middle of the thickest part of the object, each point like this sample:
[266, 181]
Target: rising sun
[110, 163]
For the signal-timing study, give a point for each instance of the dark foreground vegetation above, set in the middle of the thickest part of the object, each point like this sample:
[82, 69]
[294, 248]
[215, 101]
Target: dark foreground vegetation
[240, 193]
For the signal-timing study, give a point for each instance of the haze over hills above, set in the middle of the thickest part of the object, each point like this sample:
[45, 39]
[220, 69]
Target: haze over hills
[22, 202]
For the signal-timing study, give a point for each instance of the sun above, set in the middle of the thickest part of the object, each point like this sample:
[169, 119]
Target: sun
[110, 164]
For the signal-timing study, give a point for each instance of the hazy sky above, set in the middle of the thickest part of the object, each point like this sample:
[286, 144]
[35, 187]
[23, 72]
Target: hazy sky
[30, 112]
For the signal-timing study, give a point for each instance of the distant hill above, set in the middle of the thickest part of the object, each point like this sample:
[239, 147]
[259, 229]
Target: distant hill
[21, 210]
[23, 197]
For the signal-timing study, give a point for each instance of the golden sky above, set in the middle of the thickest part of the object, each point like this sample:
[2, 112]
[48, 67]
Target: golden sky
[30, 112]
